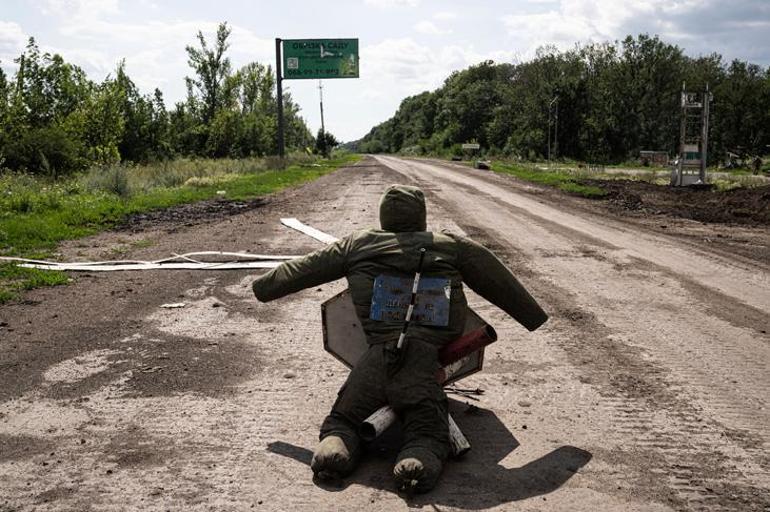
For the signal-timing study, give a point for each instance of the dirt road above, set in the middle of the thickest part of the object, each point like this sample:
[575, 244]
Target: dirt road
[648, 389]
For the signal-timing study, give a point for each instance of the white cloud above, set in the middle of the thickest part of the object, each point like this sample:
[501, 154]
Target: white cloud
[387, 4]
[12, 41]
[79, 9]
[698, 25]
[428, 27]
[151, 35]
[396, 68]
[445, 16]
[154, 50]
[581, 21]
[552, 28]
[736, 30]
[411, 67]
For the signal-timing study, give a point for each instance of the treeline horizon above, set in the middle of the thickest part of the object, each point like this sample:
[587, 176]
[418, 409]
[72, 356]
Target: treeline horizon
[54, 120]
[603, 103]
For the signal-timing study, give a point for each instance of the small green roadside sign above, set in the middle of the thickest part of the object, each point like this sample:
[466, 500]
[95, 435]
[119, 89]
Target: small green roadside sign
[320, 58]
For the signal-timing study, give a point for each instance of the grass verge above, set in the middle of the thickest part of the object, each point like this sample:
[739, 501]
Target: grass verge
[14, 280]
[557, 179]
[36, 214]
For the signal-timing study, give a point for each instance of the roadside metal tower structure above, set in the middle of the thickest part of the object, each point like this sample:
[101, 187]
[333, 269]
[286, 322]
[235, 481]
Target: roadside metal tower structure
[690, 167]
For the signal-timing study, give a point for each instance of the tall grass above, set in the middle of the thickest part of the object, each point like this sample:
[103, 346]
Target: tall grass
[125, 180]
[568, 177]
[563, 180]
[36, 213]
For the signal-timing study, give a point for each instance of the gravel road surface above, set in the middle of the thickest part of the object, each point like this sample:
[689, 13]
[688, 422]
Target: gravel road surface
[648, 389]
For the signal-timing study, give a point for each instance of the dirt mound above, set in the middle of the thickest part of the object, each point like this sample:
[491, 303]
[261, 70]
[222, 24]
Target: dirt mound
[189, 214]
[741, 206]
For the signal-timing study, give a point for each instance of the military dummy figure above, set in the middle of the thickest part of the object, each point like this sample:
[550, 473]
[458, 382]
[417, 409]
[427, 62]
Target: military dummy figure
[403, 379]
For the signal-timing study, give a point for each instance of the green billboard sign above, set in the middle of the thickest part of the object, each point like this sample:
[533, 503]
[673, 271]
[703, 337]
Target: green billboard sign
[320, 58]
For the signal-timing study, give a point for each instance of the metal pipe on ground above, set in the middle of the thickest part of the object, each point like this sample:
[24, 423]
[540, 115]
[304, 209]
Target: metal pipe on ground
[453, 356]
[460, 444]
[384, 417]
[467, 344]
[377, 423]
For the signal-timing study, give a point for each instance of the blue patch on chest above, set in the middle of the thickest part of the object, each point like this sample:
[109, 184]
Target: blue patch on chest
[391, 296]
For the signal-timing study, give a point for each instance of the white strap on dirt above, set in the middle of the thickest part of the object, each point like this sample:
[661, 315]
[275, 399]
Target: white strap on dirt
[309, 231]
[188, 261]
[154, 266]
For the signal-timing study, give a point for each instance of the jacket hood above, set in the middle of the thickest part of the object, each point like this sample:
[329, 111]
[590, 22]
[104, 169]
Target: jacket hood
[402, 208]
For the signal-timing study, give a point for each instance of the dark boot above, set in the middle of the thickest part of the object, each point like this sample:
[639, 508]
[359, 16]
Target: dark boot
[363, 393]
[332, 459]
[416, 471]
[421, 405]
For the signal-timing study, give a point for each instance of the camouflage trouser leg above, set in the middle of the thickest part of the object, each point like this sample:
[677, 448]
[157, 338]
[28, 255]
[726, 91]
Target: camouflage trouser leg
[361, 395]
[421, 404]
[412, 392]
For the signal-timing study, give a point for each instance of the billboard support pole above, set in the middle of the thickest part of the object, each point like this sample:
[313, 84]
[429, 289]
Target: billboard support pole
[279, 96]
[321, 96]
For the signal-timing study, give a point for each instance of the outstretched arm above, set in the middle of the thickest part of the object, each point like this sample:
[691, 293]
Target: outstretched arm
[316, 268]
[486, 275]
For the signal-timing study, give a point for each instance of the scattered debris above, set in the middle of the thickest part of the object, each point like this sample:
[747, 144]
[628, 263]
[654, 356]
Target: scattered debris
[468, 393]
[188, 261]
[152, 369]
[743, 205]
[309, 231]
[171, 218]
[201, 260]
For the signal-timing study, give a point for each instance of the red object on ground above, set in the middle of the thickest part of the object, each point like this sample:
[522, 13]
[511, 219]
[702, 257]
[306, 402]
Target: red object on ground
[467, 344]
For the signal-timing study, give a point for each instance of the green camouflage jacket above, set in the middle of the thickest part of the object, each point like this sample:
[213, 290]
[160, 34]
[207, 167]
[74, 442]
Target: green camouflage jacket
[394, 251]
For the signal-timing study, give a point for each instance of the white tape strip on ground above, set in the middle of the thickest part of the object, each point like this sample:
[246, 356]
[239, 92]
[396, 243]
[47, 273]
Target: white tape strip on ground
[154, 266]
[188, 261]
[309, 231]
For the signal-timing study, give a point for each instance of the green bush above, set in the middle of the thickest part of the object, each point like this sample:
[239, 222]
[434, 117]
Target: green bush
[49, 151]
[112, 179]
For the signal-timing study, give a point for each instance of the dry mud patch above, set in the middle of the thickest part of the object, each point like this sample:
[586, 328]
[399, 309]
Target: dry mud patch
[216, 406]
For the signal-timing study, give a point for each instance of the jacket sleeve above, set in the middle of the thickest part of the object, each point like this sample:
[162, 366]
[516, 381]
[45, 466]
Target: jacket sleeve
[486, 275]
[316, 268]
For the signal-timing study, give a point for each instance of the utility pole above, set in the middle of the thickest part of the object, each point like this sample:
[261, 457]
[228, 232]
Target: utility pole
[279, 94]
[550, 111]
[556, 129]
[20, 77]
[705, 133]
[321, 95]
[549, 136]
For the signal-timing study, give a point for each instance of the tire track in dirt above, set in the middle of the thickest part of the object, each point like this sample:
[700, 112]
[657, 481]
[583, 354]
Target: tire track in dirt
[722, 274]
[181, 410]
[262, 381]
[663, 411]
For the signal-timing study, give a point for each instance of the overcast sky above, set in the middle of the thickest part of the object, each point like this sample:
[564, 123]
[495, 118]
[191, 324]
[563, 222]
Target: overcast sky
[407, 46]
